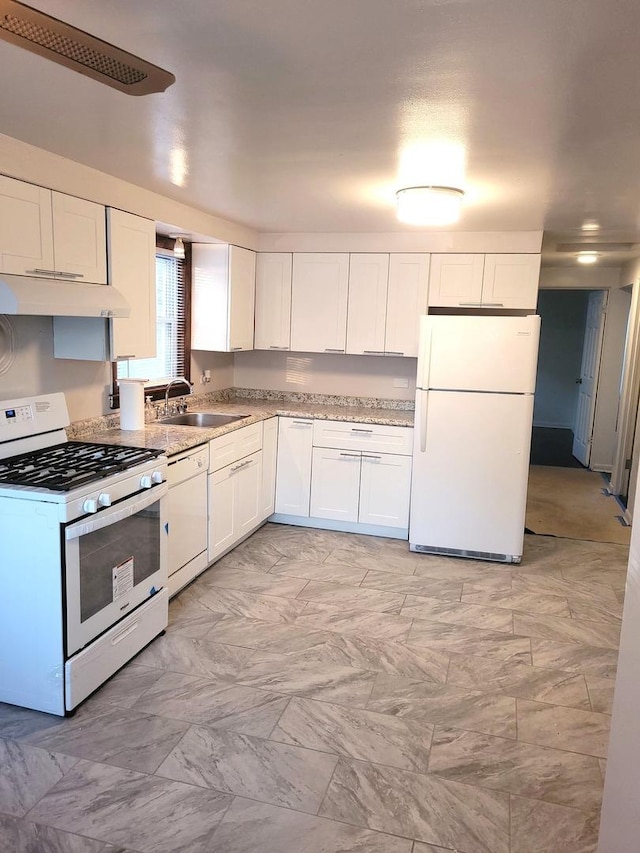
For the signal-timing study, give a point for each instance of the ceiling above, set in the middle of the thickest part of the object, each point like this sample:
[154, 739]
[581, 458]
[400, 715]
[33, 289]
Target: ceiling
[300, 115]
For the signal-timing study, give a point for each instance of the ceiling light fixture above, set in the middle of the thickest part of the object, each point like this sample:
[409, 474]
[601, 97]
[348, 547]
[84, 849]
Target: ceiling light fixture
[590, 225]
[178, 247]
[429, 205]
[587, 257]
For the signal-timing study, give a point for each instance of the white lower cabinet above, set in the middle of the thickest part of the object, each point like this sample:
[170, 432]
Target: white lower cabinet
[235, 501]
[269, 461]
[335, 484]
[385, 486]
[293, 481]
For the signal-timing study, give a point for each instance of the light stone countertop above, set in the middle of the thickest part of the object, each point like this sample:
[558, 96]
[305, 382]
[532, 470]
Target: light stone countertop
[173, 439]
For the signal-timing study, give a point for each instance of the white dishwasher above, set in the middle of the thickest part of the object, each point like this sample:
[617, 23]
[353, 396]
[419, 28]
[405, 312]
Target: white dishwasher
[187, 478]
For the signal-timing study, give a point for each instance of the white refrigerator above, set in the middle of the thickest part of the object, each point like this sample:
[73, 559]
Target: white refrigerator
[472, 437]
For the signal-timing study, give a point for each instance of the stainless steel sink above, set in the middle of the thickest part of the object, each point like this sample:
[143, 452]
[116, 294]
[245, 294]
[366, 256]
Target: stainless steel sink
[202, 419]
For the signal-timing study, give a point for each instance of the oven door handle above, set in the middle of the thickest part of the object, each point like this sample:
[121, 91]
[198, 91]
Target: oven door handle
[118, 513]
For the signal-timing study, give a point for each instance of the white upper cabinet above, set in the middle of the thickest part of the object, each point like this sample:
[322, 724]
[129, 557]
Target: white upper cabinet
[406, 301]
[368, 284]
[511, 281]
[273, 300]
[223, 296]
[132, 271]
[50, 234]
[456, 280]
[319, 302]
[484, 281]
[26, 227]
[79, 239]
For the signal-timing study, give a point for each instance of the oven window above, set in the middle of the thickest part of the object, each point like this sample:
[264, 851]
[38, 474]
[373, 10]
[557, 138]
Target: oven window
[116, 558]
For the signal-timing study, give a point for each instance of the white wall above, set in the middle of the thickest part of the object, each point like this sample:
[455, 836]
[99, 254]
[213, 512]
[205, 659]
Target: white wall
[320, 373]
[605, 434]
[581, 277]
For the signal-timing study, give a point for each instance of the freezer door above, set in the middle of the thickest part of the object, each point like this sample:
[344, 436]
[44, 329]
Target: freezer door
[479, 353]
[470, 483]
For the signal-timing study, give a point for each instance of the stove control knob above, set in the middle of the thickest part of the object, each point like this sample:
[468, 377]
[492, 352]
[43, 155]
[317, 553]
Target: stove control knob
[157, 477]
[90, 505]
[145, 481]
[104, 499]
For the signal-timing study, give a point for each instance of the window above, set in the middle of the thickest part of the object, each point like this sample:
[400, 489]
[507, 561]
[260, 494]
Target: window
[172, 322]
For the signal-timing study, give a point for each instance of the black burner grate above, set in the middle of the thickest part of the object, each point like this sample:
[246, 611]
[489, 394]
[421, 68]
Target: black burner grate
[68, 466]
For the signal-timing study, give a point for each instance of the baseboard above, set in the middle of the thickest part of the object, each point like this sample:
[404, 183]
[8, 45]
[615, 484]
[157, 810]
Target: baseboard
[341, 526]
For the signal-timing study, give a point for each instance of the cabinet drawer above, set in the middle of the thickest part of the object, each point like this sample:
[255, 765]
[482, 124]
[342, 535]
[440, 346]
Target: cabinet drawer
[234, 445]
[368, 437]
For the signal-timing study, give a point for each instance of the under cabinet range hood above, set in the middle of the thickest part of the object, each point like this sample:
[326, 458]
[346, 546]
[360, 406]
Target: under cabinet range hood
[21, 294]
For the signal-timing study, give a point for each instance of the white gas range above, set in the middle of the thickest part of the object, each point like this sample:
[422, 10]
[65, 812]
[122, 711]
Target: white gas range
[83, 556]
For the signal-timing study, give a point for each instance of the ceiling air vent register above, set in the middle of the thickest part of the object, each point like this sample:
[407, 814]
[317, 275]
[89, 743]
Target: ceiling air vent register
[62, 43]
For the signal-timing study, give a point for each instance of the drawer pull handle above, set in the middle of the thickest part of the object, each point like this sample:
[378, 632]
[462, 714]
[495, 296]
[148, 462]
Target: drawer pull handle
[271, 346]
[352, 455]
[493, 304]
[471, 304]
[332, 349]
[370, 456]
[392, 352]
[355, 429]
[38, 271]
[303, 423]
[373, 352]
[241, 465]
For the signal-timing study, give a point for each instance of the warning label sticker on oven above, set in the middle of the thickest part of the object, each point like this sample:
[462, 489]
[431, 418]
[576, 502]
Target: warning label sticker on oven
[122, 579]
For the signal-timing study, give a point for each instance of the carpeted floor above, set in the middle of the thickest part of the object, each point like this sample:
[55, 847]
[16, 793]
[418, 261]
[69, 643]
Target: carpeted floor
[552, 446]
[569, 502]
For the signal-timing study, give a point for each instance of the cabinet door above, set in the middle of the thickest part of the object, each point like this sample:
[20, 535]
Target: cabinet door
[79, 238]
[248, 494]
[132, 271]
[456, 280]
[273, 300]
[335, 484]
[269, 453]
[384, 490]
[293, 478]
[242, 287]
[367, 304]
[210, 297]
[222, 511]
[319, 302]
[26, 228]
[406, 301]
[511, 281]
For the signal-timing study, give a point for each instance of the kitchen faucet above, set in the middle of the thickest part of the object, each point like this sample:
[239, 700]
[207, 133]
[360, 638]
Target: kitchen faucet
[166, 393]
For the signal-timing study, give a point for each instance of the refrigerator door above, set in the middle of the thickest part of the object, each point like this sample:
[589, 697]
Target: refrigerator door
[469, 488]
[479, 353]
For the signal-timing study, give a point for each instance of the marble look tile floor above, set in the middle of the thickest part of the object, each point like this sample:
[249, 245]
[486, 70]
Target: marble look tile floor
[320, 692]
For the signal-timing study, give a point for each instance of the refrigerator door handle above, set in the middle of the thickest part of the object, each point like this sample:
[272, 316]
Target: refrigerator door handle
[422, 403]
[424, 353]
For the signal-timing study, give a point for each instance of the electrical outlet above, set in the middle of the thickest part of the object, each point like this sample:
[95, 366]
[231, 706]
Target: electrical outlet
[400, 382]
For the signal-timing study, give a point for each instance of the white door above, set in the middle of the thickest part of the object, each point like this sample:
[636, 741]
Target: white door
[26, 228]
[269, 453]
[273, 300]
[319, 302]
[469, 486]
[222, 511]
[479, 353]
[132, 271]
[79, 238]
[367, 306]
[511, 281]
[456, 280]
[588, 379]
[406, 302]
[242, 289]
[335, 484]
[384, 490]
[293, 478]
[187, 521]
[248, 494]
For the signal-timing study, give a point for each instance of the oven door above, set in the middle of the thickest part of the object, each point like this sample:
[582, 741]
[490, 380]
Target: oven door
[114, 561]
